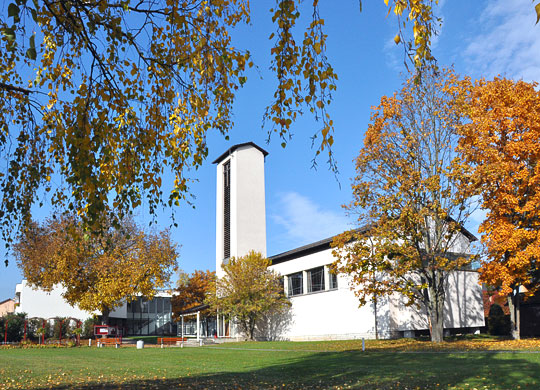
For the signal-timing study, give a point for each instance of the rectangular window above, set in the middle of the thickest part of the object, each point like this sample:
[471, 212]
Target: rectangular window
[159, 305]
[333, 281]
[227, 210]
[315, 279]
[295, 284]
[152, 306]
[144, 305]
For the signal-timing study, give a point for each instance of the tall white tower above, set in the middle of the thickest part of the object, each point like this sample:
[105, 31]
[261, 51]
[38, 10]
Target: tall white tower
[240, 204]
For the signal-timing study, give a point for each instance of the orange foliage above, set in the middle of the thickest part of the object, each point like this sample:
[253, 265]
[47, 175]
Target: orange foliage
[405, 191]
[193, 291]
[501, 148]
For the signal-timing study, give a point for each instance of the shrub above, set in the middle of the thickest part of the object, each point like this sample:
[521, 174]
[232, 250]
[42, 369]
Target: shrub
[88, 327]
[15, 327]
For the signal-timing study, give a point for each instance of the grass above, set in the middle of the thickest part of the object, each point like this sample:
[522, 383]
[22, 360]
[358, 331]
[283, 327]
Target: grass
[284, 365]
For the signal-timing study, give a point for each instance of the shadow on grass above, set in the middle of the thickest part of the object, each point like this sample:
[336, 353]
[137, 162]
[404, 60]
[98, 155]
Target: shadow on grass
[362, 371]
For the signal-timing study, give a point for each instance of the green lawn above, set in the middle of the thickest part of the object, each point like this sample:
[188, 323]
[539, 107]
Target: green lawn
[265, 365]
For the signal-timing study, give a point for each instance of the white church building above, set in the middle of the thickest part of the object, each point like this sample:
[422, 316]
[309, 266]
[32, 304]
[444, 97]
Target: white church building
[323, 304]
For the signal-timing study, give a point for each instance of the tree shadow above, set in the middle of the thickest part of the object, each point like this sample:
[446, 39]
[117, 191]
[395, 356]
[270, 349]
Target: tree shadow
[274, 325]
[362, 371]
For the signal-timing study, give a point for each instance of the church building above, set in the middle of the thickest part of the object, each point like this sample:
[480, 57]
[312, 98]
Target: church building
[323, 304]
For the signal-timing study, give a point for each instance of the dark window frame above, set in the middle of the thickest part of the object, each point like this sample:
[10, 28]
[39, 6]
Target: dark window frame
[295, 284]
[315, 279]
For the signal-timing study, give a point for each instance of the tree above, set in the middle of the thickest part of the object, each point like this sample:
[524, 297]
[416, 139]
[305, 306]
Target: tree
[15, 327]
[248, 290]
[99, 99]
[193, 291]
[499, 146]
[98, 273]
[405, 196]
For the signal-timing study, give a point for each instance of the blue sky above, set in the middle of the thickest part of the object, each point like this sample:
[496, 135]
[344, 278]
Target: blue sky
[479, 38]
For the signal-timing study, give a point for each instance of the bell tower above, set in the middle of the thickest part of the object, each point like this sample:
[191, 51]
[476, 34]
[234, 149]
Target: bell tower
[240, 203]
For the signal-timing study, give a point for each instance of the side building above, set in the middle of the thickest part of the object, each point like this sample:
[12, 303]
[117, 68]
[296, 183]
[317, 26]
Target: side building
[142, 316]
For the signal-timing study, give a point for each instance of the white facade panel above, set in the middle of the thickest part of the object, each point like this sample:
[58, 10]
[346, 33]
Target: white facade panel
[42, 304]
[249, 204]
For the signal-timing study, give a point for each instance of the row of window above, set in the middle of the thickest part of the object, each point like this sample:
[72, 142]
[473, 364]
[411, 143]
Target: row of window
[315, 281]
[151, 306]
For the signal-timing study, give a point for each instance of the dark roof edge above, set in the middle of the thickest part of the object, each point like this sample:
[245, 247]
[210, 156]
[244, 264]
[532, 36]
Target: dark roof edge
[464, 230]
[234, 147]
[308, 249]
[324, 244]
[194, 309]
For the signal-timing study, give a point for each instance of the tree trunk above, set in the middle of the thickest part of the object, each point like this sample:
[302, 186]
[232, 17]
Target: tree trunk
[513, 305]
[435, 313]
[105, 316]
[251, 329]
[376, 319]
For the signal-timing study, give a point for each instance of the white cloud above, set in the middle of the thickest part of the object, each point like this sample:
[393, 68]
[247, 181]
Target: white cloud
[508, 42]
[304, 221]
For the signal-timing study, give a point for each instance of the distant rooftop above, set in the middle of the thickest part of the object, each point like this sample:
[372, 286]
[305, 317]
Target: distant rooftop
[234, 147]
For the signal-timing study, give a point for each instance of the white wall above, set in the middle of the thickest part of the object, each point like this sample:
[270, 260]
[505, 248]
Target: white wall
[39, 303]
[249, 202]
[329, 314]
[463, 306]
[335, 314]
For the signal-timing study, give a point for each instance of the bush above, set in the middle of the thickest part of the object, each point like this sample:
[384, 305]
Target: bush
[15, 327]
[34, 324]
[498, 322]
[65, 327]
[88, 327]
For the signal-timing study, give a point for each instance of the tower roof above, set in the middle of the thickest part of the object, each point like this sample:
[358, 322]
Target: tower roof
[234, 147]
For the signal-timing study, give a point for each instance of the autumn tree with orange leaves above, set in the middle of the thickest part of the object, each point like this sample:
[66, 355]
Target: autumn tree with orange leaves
[193, 291]
[405, 197]
[500, 146]
[96, 273]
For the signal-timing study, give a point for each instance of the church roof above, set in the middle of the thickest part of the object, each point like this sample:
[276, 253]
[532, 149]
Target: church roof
[308, 249]
[234, 147]
[321, 245]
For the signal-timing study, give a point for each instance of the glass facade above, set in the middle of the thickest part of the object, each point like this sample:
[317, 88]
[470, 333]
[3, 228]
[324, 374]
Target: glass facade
[150, 317]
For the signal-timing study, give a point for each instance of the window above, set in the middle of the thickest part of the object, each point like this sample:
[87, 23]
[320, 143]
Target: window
[152, 304]
[295, 284]
[144, 305]
[227, 210]
[333, 281]
[315, 279]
